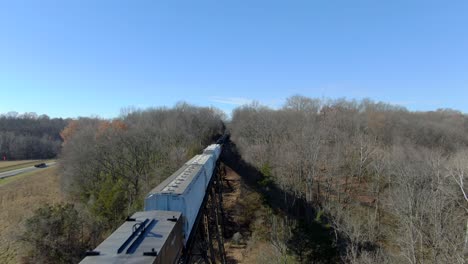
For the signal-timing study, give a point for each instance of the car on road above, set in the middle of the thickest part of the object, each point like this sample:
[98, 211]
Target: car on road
[40, 165]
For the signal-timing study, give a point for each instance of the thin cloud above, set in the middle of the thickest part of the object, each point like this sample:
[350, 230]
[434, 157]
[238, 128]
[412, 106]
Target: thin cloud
[231, 100]
[415, 103]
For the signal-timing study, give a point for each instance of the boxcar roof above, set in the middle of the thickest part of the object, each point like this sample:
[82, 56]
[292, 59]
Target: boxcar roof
[199, 159]
[178, 182]
[155, 238]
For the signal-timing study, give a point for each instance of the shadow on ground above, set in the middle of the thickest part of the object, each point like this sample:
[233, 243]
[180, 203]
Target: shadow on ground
[312, 240]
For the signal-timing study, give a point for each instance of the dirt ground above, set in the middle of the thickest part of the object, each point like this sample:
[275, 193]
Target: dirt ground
[231, 196]
[18, 200]
[237, 198]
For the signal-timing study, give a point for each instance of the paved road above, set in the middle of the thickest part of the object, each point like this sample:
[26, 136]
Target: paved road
[7, 174]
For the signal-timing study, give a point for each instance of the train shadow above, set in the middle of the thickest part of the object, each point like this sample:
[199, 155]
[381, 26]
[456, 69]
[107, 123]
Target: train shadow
[312, 239]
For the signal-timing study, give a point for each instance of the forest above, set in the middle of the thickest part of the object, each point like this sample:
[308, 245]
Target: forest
[107, 167]
[29, 136]
[332, 181]
[389, 184]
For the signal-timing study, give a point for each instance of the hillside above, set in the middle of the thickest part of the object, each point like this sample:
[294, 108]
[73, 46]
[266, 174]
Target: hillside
[389, 183]
[29, 136]
[19, 198]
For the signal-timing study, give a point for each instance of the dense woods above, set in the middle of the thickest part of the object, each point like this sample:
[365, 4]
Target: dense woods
[107, 167]
[340, 181]
[389, 184]
[29, 136]
[110, 165]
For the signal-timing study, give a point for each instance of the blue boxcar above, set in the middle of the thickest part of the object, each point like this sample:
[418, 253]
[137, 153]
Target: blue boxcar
[184, 190]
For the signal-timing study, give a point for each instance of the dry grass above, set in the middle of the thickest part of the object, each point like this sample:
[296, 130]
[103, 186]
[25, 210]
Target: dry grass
[243, 207]
[18, 200]
[262, 252]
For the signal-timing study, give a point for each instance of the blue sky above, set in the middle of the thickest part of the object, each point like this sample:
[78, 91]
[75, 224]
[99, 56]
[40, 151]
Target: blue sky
[86, 57]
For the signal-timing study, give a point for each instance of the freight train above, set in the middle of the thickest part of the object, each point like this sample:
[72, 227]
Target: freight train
[161, 232]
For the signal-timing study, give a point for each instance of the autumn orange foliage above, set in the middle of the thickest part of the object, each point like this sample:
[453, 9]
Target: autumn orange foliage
[115, 125]
[68, 131]
[103, 127]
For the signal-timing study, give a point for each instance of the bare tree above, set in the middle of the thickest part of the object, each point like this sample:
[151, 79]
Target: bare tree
[458, 172]
[385, 175]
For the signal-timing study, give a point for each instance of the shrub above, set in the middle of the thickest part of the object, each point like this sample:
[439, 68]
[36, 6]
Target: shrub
[54, 234]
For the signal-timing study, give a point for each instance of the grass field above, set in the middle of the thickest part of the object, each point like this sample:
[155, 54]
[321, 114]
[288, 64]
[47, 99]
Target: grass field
[14, 163]
[18, 164]
[18, 200]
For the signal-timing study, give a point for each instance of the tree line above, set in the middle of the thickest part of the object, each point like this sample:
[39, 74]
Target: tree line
[376, 182]
[390, 183]
[111, 164]
[29, 136]
[108, 166]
